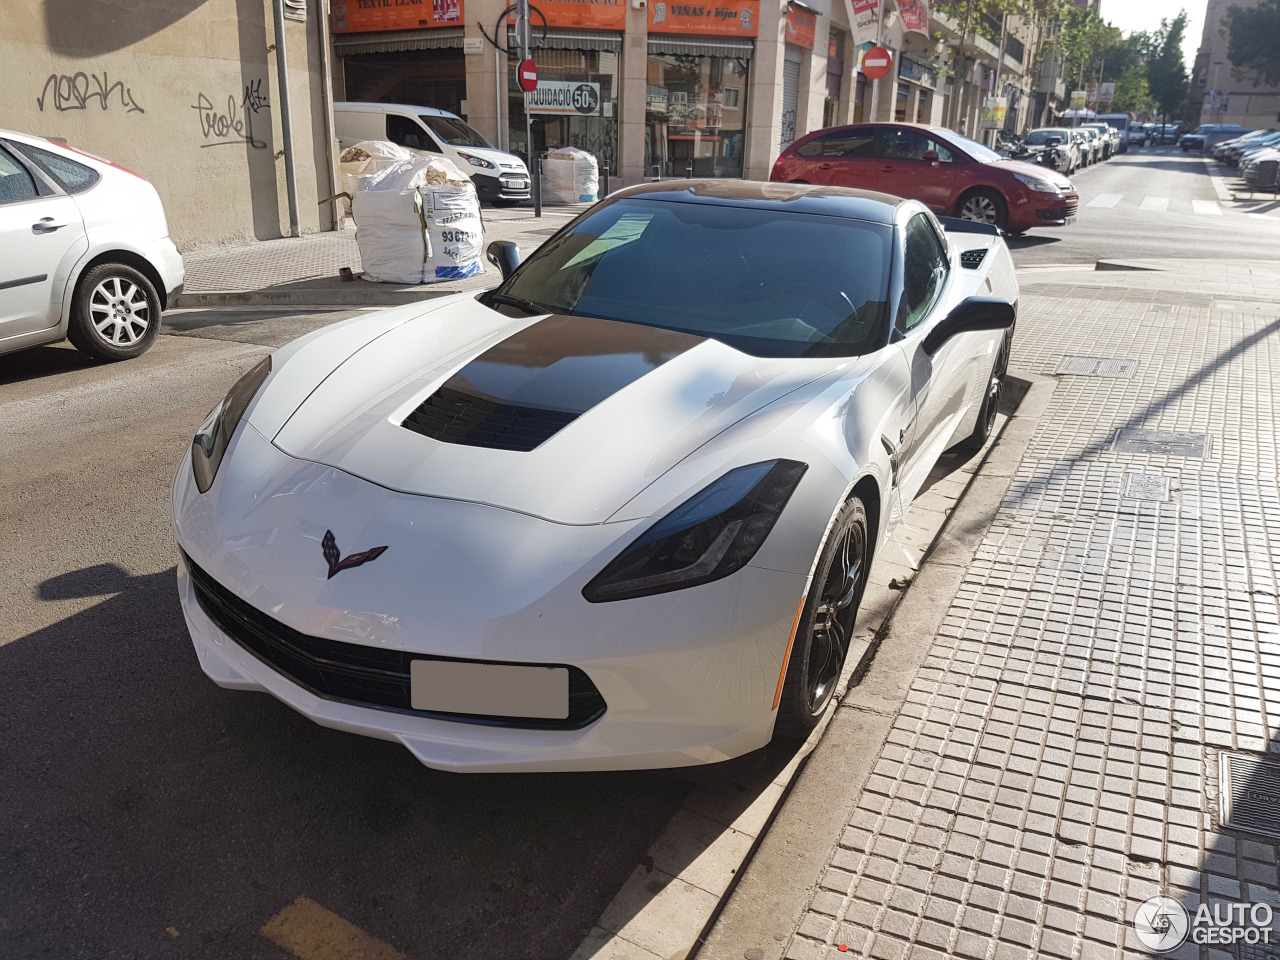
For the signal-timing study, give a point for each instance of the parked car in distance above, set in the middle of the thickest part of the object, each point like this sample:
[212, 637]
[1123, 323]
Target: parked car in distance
[1120, 123]
[1233, 155]
[950, 174]
[1107, 137]
[500, 177]
[1059, 140]
[1219, 149]
[1208, 134]
[85, 253]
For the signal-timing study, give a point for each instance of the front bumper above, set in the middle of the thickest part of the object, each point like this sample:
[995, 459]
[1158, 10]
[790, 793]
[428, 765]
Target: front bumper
[513, 186]
[686, 677]
[1044, 210]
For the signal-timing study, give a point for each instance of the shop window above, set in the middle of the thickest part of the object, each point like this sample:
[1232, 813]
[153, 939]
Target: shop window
[596, 132]
[695, 117]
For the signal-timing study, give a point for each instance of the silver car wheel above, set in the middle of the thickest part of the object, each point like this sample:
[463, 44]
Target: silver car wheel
[120, 311]
[981, 209]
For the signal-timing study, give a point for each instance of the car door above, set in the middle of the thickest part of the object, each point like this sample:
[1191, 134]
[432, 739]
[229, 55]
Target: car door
[841, 158]
[41, 231]
[945, 384]
[908, 168]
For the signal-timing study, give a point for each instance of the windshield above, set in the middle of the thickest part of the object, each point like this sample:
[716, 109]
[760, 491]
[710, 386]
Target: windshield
[971, 147]
[1039, 138]
[1118, 124]
[455, 132]
[767, 282]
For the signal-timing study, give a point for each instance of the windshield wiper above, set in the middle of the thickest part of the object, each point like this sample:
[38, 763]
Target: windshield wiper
[521, 303]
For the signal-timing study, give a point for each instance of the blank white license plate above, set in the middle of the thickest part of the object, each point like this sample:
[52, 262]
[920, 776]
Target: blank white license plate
[490, 689]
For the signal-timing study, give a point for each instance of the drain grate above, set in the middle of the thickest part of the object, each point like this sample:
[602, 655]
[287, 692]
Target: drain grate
[1250, 790]
[1146, 486]
[1096, 367]
[1162, 442]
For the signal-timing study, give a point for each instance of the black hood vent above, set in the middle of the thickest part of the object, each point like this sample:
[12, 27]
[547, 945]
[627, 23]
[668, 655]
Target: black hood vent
[524, 390]
[456, 417]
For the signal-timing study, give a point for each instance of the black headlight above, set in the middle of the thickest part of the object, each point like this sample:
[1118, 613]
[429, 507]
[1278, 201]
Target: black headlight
[211, 440]
[707, 537]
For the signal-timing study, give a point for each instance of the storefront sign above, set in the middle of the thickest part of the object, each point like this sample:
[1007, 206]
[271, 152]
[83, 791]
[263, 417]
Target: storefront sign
[564, 98]
[864, 18]
[729, 18]
[801, 25]
[360, 16]
[588, 14]
[995, 109]
[1077, 99]
[909, 69]
[915, 15]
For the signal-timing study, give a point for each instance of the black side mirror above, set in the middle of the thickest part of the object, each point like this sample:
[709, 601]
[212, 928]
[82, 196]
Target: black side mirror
[976, 313]
[504, 255]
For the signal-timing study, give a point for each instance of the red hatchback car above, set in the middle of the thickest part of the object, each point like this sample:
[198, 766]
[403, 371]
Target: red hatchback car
[951, 174]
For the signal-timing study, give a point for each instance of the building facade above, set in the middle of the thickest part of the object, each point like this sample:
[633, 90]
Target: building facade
[656, 88]
[1223, 93]
[185, 93]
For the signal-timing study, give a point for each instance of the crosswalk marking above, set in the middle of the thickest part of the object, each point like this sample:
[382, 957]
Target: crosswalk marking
[1206, 206]
[1154, 203]
[1105, 200]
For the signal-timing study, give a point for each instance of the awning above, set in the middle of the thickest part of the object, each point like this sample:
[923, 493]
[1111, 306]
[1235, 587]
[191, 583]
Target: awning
[699, 47]
[568, 40]
[394, 41]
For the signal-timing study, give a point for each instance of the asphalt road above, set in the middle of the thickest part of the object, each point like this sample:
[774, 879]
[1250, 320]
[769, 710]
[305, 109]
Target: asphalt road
[142, 801]
[1154, 203]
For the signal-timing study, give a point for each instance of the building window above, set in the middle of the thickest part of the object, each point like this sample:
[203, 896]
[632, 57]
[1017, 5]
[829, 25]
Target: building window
[695, 115]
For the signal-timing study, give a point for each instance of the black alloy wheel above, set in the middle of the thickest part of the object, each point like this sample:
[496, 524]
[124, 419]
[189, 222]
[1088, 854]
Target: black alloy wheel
[826, 624]
[990, 402]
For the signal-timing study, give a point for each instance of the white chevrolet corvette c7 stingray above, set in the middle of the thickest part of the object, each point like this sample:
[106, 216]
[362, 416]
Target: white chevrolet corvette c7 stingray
[617, 512]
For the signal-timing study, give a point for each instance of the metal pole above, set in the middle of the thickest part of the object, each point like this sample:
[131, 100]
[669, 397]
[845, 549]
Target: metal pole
[524, 31]
[286, 123]
[326, 97]
[503, 138]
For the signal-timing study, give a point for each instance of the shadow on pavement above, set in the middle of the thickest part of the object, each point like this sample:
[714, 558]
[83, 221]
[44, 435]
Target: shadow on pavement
[139, 796]
[41, 362]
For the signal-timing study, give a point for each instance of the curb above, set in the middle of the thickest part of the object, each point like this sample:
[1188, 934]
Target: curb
[671, 904]
[364, 295]
[761, 912]
[1126, 265]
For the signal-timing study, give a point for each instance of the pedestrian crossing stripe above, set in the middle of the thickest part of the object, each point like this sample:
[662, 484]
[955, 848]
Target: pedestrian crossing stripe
[1206, 206]
[1105, 200]
[1154, 203]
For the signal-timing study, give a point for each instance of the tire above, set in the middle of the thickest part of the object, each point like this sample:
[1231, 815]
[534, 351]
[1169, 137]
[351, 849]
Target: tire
[826, 623]
[115, 313]
[984, 206]
[990, 403]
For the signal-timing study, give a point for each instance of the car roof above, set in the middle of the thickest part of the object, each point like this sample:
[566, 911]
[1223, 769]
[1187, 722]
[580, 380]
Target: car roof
[360, 107]
[811, 199]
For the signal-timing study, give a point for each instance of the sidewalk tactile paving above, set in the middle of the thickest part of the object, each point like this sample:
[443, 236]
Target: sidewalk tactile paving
[1055, 762]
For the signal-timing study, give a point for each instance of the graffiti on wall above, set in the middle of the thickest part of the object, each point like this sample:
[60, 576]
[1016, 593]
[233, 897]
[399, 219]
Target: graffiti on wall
[77, 91]
[235, 124]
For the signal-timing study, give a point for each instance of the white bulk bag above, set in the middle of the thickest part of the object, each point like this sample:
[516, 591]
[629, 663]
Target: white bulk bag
[570, 175]
[418, 221]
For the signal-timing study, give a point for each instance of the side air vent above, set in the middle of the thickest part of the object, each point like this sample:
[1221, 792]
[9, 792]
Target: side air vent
[455, 417]
[972, 259]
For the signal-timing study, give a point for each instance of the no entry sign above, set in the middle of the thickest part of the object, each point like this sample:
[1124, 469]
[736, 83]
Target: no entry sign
[876, 62]
[527, 76]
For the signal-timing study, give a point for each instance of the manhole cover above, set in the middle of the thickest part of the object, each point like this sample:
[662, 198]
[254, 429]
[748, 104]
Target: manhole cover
[1146, 486]
[1096, 367]
[1162, 442]
[1250, 794]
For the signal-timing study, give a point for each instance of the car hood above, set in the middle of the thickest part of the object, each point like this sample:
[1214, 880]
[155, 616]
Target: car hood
[564, 418]
[1037, 171]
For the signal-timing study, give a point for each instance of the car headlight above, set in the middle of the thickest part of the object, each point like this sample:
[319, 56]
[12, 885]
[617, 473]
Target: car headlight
[706, 538]
[210, 441]
[1040, 186]
[475, 161]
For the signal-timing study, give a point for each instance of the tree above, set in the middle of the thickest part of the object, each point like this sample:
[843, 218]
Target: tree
[1166, 73]
[1132, 92]
[1253, 40]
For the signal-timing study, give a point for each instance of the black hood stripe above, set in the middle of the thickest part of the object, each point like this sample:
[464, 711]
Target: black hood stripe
[528, 387]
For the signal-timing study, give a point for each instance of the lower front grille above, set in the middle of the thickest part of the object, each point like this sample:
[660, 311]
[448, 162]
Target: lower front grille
[1061, 213]
[358, 674]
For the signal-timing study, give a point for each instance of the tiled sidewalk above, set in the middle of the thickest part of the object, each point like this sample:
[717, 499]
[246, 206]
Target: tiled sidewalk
[1056, 760]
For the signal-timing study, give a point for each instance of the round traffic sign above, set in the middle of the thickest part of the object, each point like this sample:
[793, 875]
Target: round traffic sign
[527, 76]
[876, 62]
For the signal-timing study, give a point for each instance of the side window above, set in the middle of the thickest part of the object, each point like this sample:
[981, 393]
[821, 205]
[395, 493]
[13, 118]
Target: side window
[843, 143]
[903, 144]
[71, 176]
[15, 183]
[925, 272]
[408, 133]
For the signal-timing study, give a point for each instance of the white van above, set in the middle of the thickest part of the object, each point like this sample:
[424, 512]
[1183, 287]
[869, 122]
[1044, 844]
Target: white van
[498, 176]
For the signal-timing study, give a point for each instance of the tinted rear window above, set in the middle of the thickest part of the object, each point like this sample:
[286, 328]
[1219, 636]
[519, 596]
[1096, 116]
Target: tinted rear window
[71, 176]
